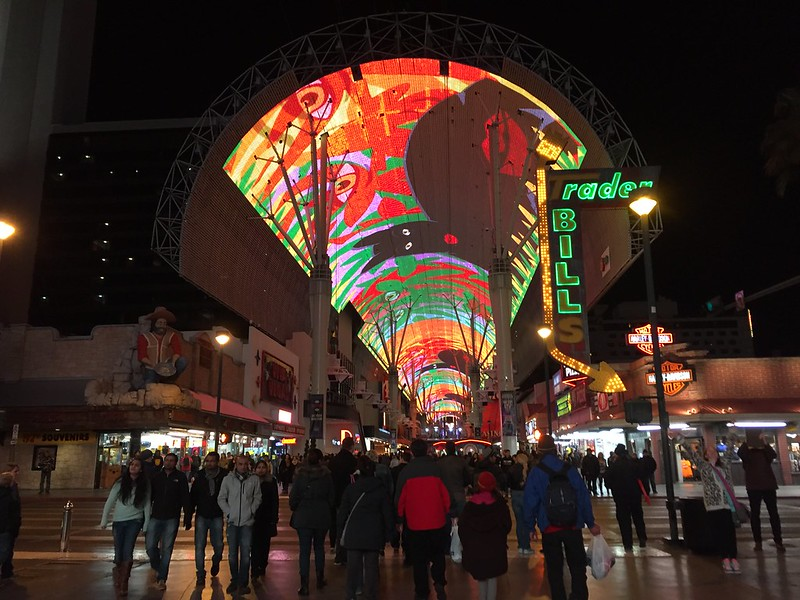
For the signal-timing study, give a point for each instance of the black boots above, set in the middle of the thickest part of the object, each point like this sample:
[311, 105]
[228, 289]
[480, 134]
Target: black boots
[303, 591]
[201, 579]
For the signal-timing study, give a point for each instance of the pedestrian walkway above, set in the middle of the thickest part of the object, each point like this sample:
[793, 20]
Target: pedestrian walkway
[658, 571]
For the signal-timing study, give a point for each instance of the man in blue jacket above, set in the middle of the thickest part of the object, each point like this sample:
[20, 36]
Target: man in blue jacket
[563, 539]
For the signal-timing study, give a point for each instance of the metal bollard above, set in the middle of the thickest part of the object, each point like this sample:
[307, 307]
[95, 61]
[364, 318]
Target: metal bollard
[66, 524]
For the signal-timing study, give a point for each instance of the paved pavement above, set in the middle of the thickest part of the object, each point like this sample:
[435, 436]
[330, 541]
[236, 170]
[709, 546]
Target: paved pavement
[659, 571]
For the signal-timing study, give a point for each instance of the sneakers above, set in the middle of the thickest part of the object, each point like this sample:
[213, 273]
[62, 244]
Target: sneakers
[525, 551]
[726, 566]
[735, 569]
[780, 546]
[161, 584]
[244, 590]
[757, 547]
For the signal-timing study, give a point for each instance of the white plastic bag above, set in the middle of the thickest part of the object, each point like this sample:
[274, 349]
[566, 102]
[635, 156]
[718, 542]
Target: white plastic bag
[455, 545]
[601, 558]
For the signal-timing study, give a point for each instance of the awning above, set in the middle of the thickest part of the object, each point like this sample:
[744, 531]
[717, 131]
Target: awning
[227, 407]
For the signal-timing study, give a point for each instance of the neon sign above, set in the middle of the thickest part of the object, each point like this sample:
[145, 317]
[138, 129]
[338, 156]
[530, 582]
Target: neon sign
[564, 404]
[643, 338]
[674, 376]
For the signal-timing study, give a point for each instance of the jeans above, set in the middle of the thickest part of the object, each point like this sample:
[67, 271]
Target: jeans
[125, 534]
[240, 539]
[572, 542]
[150, 375]
[203, 529]
[771, 501]
[523, 531]
[44, 481]
[161, 532]
[308, 537]
[427, 547]
[6, 545]
[362, 562]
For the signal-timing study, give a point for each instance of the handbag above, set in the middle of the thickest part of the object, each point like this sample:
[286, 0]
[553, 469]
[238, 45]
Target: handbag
[741, 514]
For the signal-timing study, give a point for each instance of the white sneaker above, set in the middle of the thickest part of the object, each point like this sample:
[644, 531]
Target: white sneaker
[456, 558]
[735, 568]
[726, 566]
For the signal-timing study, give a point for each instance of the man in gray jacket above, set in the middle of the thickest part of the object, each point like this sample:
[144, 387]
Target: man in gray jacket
[239, 497]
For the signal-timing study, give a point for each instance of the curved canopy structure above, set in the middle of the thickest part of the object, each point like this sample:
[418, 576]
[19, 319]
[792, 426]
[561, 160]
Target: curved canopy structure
[402, 104]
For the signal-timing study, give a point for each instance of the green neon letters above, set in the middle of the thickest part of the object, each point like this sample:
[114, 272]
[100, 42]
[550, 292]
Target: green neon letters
[604, 191]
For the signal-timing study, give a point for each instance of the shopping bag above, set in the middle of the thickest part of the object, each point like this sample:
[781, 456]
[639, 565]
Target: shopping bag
[455, 544]
[601, 558]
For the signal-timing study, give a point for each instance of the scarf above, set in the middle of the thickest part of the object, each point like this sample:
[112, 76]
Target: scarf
[211, 477]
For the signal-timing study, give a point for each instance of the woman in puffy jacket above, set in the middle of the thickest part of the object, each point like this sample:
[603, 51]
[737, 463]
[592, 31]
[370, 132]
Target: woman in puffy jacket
[365, 525]
[484, 526]
[311, 499]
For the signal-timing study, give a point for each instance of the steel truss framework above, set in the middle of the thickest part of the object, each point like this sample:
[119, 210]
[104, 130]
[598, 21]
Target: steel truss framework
[380, 37]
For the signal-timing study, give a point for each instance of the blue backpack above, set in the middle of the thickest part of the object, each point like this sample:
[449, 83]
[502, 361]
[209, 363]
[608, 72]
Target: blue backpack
[561, 501]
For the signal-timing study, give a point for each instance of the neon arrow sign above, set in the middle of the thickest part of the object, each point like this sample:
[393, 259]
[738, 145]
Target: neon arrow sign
[570, 327]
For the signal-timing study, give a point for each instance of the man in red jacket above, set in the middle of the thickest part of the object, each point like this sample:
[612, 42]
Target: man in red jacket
[422, 504]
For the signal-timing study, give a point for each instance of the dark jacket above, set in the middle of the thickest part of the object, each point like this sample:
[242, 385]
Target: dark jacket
[590, 466]
[170, 494]
[311, 498]
[267, 512]
[204, 503]
[489, 464]
[10, 512]
[649, 465]
[342, 467]
[370, 524]
[516, 478]
[484, 529]
[421, 496]
[757, 463]
[622, 478]
[456, 476]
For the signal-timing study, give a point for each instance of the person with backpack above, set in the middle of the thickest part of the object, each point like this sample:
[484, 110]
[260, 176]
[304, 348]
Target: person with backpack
[557, 500]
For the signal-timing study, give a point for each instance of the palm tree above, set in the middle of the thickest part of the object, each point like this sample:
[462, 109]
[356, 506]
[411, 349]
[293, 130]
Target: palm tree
[781, 144]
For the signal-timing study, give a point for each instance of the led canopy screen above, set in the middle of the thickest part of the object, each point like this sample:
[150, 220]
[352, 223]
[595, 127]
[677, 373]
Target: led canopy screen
[410, 201]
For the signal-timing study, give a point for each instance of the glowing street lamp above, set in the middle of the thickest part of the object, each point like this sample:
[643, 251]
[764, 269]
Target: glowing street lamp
[222, 337]
[544, 333]
[642, 205]
[6, 231]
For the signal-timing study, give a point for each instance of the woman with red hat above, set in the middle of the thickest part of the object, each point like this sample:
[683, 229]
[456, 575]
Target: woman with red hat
[484, 526]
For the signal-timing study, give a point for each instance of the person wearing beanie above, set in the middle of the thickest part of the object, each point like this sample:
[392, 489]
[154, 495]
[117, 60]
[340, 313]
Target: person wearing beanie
[484, 526]
[623, 479]
[559, 540]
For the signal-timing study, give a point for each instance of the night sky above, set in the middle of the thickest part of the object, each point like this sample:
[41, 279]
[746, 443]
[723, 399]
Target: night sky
[697, 88]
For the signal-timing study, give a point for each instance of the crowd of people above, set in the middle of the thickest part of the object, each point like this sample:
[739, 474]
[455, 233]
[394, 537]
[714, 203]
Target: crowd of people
[417, 502]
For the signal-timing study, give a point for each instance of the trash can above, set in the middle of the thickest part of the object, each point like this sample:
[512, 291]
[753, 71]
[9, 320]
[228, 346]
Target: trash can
[697, 536]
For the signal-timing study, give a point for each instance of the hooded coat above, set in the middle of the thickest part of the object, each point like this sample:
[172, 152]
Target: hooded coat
[311, 498]
[483, 529]
[370, 518]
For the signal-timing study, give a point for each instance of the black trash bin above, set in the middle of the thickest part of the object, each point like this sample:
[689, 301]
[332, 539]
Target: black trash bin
[697, 536]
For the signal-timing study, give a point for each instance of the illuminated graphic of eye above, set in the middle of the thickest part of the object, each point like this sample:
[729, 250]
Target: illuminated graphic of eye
[391, 296]
[344, 183]
[449, 238]
[408, 246]
[406, 232]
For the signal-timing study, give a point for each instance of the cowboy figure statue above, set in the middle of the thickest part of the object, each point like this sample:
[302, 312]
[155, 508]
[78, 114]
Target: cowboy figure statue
[159, 349]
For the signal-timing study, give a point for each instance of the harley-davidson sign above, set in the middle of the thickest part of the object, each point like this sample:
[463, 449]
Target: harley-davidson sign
[643, 340]
[673, 376]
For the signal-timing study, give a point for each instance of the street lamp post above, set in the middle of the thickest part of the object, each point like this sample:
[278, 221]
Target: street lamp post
[222, 337]
[6, 231]
[642, 206]
[544, 333]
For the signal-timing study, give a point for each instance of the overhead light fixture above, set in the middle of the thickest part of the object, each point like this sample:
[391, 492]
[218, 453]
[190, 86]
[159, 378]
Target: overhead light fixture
[762, 424]
[648, 427]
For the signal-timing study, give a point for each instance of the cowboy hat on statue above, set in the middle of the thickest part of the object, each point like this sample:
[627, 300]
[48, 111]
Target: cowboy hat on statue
[159, 349]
